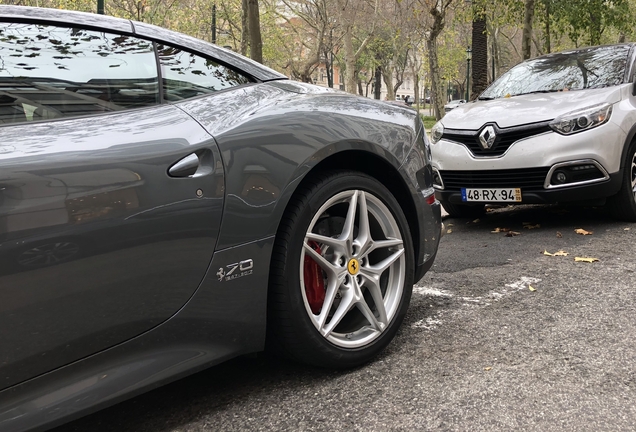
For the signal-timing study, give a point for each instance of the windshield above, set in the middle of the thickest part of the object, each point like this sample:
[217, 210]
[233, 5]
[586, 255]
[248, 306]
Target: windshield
[573, 70]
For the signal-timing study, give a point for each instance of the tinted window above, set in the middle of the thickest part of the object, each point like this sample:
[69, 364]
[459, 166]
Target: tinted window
[51, 72]
[186, 75]
[575, 70]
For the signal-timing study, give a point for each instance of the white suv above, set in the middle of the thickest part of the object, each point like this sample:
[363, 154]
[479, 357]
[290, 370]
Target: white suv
[552, 129]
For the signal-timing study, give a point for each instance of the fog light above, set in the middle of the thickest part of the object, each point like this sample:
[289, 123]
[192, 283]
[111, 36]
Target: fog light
[437, 179]
[560, 177]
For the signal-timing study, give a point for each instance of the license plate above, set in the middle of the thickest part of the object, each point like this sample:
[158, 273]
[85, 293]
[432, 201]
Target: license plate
[491, 195]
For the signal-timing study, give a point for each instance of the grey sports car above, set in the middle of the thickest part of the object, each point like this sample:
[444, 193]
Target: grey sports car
[166, 204]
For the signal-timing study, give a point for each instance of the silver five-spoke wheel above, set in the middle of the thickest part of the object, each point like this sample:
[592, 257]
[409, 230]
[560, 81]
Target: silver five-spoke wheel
[352, 268]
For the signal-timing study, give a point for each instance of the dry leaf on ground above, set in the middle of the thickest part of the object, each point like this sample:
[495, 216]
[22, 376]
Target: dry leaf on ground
[531, 288]
[559, 253]
[585, 259]
[512, 234]
[626, 229]
[559, 235]
[449, 231]
[582, 231]
[488, 368]
[500, 230]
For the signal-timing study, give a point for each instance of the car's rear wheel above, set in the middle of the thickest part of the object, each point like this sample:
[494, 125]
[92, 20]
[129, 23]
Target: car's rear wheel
[463, 211]
[342, 272]
[623, 205]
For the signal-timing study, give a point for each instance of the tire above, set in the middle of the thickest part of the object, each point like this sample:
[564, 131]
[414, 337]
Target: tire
[623, 205]
[463, 211]
[340, 284]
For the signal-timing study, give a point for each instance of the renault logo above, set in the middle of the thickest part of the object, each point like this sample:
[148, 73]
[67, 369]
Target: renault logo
[487, 137]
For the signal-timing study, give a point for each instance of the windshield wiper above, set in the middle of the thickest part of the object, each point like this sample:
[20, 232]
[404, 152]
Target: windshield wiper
[485, 98]
[537, 91]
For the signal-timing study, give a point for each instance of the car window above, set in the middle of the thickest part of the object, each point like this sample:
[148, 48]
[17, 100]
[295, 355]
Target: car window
[52, 72]
[187, 75]
[594, 67]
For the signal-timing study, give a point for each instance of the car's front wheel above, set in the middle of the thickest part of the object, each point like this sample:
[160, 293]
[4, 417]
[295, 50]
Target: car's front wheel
[341, 273]
[623, 205]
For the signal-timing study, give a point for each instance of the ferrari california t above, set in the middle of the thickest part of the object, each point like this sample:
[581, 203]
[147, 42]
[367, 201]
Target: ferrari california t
[166, 205]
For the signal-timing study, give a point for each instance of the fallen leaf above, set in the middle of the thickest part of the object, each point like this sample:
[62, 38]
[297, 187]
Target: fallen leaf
[500, 230]
[585, 259]
[626, 229]
[559, 235]
[449, 231]
[531, 288]
[561, 253]
[450, 225]
[582, 231]
[512, 234]
[476, 221]
[532, 226]
[488, 368]
[545, 252]
[488, 210]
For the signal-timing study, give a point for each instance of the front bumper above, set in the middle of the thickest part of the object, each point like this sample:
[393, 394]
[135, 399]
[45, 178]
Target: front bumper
[586, 192]
[530, 163]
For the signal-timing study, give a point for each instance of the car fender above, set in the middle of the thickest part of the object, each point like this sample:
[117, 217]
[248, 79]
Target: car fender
[271, 138]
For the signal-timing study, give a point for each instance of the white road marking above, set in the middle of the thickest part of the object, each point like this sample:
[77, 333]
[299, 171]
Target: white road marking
[431, 323]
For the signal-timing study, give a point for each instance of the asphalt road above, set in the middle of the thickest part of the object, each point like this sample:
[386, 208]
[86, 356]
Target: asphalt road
[499, 336]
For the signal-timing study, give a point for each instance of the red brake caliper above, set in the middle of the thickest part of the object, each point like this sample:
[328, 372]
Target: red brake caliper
[314, 282]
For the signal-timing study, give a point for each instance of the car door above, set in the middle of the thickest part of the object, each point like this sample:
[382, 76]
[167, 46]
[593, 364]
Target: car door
[110, 199]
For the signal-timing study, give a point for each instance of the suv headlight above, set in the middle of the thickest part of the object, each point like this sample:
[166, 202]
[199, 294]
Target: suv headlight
[436, 132]
[582, 120]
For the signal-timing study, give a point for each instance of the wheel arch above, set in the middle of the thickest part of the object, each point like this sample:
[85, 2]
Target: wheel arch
[629, 140]
[375, 164]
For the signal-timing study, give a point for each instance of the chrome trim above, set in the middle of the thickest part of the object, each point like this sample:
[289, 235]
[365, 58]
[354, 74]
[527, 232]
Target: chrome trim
[438, 187]
[472, 155]
[547, 185]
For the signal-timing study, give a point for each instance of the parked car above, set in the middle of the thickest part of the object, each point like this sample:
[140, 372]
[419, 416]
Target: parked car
[453, 104]
[166, 205]
[557, 128]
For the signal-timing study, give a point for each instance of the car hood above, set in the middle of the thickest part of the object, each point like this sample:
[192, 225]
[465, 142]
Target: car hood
[525, 109]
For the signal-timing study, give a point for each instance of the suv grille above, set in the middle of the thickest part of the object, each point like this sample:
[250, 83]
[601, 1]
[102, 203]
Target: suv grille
[526, 179]
[505, 137]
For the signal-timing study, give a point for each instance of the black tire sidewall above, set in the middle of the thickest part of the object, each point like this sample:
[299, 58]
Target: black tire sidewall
[317, 349]
[623, 204]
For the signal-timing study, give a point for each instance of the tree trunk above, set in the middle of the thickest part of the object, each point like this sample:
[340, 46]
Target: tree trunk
[350, 61]
[547, 39]
[256, 43]
[480, 56]
[526, 38]
[436, 83]
[245, 32]
[387, 77]
[595, 27]
[377, 93]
